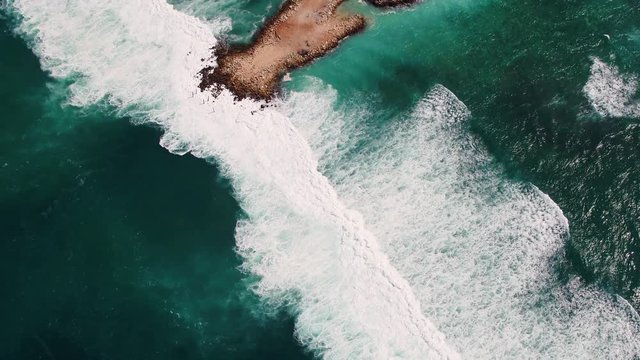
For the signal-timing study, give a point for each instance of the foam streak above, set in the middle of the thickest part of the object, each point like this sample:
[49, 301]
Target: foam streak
[312, 252]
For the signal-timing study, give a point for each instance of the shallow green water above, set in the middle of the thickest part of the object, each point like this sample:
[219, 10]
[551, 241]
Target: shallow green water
[97, 255]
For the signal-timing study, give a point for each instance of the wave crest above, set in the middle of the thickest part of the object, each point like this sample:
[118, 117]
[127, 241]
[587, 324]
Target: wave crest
[309, 250]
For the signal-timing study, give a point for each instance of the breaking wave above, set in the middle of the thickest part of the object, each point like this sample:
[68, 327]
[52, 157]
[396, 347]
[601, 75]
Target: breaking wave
[311, 252]
[480, 251]
[452, 257]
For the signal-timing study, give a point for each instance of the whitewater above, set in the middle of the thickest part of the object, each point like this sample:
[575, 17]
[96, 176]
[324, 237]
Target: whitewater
[610, 92]
[413, 249]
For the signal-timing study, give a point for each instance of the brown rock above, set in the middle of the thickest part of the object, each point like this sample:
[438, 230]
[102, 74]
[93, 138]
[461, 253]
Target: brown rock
[300, 32]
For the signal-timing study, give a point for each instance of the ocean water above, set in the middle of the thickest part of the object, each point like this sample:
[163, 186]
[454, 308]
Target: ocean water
[99, 261]
[461, 180]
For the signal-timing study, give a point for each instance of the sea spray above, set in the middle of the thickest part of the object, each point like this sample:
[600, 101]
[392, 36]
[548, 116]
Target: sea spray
[313, 253]
[480, 251]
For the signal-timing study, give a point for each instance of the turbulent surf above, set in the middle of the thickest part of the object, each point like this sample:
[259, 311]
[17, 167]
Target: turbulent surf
[311, 252]
[479, 251]
[401, 242]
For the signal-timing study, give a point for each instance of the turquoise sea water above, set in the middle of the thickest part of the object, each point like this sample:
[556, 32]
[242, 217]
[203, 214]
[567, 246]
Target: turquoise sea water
[100, 262]
[114, 248]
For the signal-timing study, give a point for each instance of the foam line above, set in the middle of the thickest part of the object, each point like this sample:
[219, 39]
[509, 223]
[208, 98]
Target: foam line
[312, 253]
[479, 250]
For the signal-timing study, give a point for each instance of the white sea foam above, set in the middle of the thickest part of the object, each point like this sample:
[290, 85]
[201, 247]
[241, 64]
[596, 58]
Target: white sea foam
[312, 253]
[478, 250]
[610, 92]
